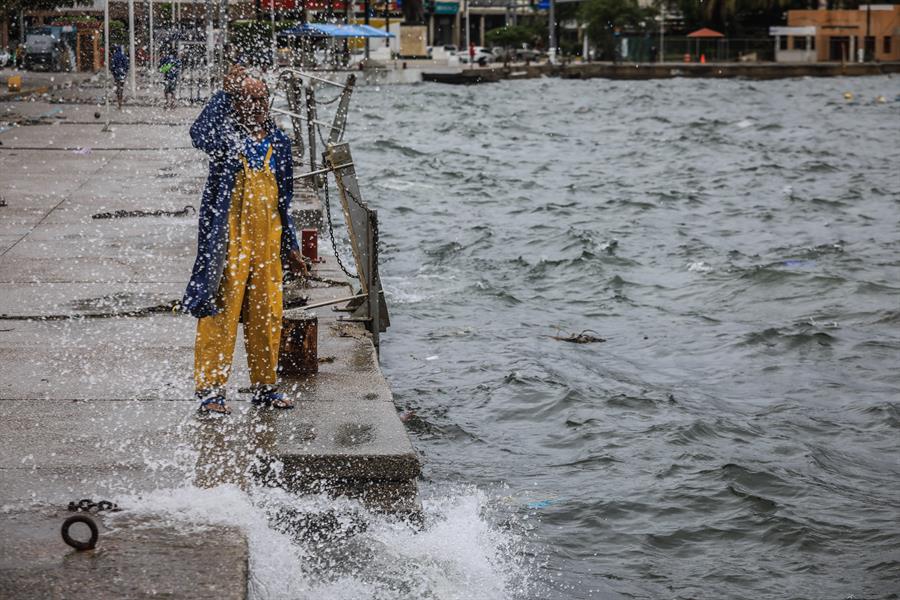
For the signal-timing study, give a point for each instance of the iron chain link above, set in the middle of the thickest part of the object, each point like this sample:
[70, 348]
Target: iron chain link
[337, 254]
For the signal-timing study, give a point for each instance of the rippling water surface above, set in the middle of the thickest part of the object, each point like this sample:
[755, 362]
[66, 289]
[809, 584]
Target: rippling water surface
[737, 245]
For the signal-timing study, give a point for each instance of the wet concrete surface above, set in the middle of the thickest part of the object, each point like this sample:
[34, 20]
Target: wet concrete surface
[36, 563]
[93, 403]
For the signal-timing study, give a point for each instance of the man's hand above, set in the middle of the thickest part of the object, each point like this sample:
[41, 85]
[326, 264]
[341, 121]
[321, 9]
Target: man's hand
[297, 264]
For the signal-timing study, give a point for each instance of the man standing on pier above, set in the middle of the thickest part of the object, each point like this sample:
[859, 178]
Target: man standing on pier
[246, 236]
[118, 66]
[170, 67]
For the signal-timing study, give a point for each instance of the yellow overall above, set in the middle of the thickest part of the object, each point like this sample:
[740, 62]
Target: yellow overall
[250, 286]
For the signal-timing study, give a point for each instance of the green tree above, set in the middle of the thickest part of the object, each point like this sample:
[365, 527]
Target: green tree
[511, 35]
[604, 17]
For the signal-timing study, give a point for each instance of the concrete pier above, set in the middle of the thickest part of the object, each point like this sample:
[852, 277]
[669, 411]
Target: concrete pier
[96, 390]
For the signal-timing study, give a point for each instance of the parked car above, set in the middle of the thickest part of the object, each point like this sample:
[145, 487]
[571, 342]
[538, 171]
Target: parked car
[482, 55]
[515, 54]
[441, 52]
[523, 54]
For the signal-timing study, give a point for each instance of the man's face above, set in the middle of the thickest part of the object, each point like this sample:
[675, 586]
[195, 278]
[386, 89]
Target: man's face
[233, 79]
[253, 102]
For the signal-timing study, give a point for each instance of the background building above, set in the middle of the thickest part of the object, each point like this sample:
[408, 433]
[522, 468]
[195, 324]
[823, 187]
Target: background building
[871, 32]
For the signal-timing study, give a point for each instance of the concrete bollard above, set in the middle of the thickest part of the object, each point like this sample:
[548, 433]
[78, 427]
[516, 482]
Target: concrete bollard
[299, 352]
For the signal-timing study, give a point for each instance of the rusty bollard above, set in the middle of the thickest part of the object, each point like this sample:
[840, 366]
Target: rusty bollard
[299, 353]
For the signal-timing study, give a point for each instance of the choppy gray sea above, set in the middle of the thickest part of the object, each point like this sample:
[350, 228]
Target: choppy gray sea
[737, 246]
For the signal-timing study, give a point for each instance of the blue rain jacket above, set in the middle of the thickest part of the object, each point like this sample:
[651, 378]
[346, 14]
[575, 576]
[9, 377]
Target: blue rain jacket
[218, 134]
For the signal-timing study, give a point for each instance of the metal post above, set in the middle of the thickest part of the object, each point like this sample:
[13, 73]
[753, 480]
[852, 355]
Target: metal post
[152, 53]
[367, 8]
[468, 30]
[223, 25]
[551, 50]
[662, 33]
[373, 288]
[106, 45]
[209, 45]
[133, 68]
[293, 92]
[311, 124]
[387, 25]
[274, 43]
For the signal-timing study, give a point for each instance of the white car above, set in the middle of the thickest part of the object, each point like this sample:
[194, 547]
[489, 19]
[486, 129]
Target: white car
[482, 55]
[441, 52]
[5, 57]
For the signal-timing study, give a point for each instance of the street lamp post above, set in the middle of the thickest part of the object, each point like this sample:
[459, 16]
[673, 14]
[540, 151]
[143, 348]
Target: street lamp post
[366, 8]
[209, 45]
[468, 30]
[662, 31]
[387, 26]
[274, 43]
[133, 68]
[552, 20]
[106, 57]
[152, 53]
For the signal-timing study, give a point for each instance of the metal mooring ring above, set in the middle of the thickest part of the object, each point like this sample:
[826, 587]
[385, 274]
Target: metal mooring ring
[78, 545]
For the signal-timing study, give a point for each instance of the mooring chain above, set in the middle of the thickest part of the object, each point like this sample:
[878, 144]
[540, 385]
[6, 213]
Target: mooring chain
[337, 254]
[88, 505]
[321, 137]
[332, 101]
[360, 204]
[124, 214]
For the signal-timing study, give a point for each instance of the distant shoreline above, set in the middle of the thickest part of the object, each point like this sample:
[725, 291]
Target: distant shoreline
[663, 71]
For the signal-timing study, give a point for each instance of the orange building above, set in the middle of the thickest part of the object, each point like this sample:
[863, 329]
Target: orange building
[870, 33]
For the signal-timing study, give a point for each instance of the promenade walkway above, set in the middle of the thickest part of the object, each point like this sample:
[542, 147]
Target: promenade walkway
[96, 391]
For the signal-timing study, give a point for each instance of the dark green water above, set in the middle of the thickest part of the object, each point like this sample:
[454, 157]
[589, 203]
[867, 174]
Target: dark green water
[737, 245]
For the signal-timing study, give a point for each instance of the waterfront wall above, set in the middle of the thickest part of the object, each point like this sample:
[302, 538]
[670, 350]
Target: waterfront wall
[662, 71]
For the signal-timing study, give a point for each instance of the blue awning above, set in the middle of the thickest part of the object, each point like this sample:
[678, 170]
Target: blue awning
[336, 30]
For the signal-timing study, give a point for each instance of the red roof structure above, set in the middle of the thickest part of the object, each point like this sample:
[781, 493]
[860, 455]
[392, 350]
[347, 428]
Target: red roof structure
[705, 33]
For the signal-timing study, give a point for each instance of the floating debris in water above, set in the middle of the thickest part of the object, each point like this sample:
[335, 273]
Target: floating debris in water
[582, 338]
[542, 503]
